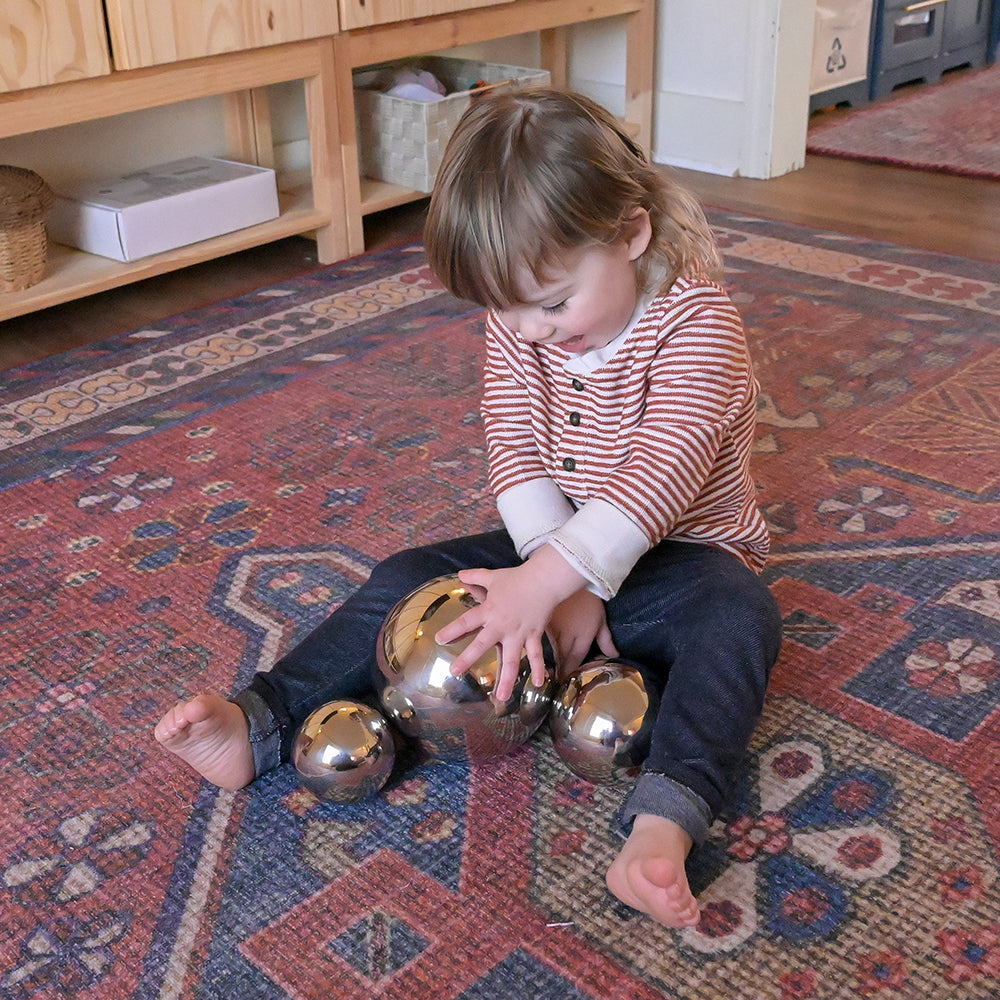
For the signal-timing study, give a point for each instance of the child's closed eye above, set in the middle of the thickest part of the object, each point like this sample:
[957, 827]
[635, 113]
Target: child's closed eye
[552, 310]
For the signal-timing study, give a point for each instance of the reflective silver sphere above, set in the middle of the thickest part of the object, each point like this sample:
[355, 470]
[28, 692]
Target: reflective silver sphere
[344, 751]
[600, 719]
[455, 718]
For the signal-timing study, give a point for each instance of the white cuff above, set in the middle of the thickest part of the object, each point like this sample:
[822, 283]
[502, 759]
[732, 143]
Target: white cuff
[531, 511]
[602, 543]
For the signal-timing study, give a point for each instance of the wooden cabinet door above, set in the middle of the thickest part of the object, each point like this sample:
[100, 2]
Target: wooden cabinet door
[365, 13]
[151, 32]
[51, 41]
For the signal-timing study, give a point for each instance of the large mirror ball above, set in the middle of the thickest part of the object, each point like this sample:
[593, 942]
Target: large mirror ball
[454, 718]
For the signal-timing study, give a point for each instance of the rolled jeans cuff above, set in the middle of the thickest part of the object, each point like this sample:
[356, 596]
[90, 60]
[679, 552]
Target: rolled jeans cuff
[265, 733]
[657, 795]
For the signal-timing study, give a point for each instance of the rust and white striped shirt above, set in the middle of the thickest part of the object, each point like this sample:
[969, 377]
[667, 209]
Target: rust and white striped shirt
[605, 454]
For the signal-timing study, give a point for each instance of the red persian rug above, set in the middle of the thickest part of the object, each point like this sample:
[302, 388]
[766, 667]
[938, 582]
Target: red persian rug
[952, 127]
[181, 504]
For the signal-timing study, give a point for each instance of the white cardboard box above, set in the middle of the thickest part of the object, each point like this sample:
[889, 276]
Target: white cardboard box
[163, 207]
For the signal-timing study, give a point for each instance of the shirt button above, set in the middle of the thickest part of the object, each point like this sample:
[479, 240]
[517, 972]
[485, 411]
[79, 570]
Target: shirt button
[569, 464]
[574, 419]
[577, 384]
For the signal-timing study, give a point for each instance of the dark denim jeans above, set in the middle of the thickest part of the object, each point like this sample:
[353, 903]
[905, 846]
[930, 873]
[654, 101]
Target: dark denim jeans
[700, 626]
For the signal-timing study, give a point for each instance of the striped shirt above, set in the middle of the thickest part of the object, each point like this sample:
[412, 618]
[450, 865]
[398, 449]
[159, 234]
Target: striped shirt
[605, 454]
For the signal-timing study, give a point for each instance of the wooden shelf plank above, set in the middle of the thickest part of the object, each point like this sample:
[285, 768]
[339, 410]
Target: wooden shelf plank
[70, 273]
[447, 31]
[379, 195]
[135, 90]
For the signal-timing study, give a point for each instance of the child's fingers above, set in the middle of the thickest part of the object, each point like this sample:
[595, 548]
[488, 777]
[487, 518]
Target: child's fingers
[477, 580]
[465, 659]
[536, 658]
[605, 643]
[463, 625]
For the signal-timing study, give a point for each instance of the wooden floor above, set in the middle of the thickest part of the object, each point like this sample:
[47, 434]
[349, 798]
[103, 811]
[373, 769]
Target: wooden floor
[911, 207]
[956, 215]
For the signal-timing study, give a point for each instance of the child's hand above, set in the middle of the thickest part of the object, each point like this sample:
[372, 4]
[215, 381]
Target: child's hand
[513, 614]
[575, 625]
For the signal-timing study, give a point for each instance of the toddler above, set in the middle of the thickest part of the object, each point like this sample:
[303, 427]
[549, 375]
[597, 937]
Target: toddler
[619, 407]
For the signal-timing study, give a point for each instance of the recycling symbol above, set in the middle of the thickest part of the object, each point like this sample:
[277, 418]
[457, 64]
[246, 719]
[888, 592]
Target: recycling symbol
[836, 60]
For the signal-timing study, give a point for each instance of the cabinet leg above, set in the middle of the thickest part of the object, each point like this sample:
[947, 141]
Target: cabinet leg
[555, 55]
[248, 126]
[349, 155]
[332, 241]
[639, 72]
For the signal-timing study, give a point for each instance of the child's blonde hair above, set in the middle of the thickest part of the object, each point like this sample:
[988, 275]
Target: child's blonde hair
[530, 175]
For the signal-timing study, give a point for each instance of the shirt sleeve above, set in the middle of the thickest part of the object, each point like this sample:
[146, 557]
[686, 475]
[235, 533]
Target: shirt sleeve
[689, 446]
[507, 411]
[530, 502]
[602, 544]
[532, 512]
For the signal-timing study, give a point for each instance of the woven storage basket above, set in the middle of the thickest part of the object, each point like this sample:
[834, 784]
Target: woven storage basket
[402, 141]
[24, 200]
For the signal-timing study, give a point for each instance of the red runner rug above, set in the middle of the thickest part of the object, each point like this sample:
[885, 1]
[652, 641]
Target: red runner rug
[181, 504]
[952, 127]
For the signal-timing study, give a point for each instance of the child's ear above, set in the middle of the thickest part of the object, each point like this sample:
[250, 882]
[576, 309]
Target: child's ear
[638, 233]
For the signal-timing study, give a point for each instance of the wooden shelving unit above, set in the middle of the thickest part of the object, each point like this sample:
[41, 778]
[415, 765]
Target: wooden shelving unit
[241, 77]
[415, 36]
[336, 199]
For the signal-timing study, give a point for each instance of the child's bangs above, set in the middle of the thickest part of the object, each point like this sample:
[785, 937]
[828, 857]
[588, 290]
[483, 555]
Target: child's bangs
[498, 249]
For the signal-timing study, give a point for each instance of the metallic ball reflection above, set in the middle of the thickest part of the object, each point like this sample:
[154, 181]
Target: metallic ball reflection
[344, 751]
[455, 718]
[600, 720]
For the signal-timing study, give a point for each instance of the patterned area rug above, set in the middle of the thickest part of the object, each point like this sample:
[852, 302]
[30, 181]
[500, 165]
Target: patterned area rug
[182, 503]
[952, 127]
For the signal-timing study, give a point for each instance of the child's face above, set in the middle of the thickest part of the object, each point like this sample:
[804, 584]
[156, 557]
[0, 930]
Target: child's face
[585, 302]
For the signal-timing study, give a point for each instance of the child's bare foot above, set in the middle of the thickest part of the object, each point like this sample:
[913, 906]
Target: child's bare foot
[212, 736]
[649, 875]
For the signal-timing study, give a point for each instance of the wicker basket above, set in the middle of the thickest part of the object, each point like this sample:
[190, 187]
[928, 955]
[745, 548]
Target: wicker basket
[24, 200]
[402, 141]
